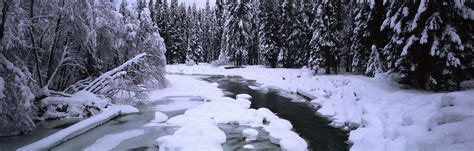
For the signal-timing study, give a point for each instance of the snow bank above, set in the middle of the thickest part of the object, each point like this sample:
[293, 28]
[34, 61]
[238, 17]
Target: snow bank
[384, 116]
[79, 128]
[111, 141]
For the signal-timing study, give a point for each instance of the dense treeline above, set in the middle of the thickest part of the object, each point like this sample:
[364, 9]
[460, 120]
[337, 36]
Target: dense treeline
[426, 44]
[55, 48]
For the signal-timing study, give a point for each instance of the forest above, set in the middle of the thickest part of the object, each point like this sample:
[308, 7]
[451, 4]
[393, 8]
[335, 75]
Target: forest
[426, 44]
[53, 51]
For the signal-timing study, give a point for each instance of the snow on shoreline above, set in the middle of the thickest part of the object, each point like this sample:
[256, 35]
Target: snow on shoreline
[386, 116]
[79, 128]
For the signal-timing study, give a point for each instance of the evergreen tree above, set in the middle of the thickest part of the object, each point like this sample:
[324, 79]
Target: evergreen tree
[194, 47]
[236, 34]
[268, 38]
[427, 49]
[324, 38]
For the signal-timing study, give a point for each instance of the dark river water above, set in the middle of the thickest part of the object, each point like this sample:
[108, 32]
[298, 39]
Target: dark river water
[315, 129]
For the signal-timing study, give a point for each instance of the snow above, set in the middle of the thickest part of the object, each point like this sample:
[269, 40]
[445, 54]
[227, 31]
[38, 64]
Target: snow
[250, 134]
[408, 45]
[114, 73]
[383, 115]
[421, 10]
[160, 117]
[75, 105]
[2, 88]
[198, 125]
[186, 86]
[244, 96]
[248, 146]
[111, 141]
[79, 128]
[177, 106]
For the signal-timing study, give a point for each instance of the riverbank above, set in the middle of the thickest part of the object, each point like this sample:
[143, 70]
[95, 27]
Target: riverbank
[385, 116]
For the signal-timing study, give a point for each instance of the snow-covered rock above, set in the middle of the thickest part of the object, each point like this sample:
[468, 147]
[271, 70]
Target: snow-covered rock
[266, 114]
[250, 134]
[245, 103]
[244, 96]
[279, 124]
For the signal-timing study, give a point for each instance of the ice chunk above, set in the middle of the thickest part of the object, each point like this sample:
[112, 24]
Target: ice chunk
[266, 114]
[279, 124]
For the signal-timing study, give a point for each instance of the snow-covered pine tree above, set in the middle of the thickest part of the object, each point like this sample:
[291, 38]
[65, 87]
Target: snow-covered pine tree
[305, 17]
[324, 38]
[217, 29]
[288, 34]
[236, 34]
[176, 25]
[268, 38]
[360, 36]
[206, 35]
[194, 50]
[374, 65]
[428, 49]
[253, 50]
[150, 42]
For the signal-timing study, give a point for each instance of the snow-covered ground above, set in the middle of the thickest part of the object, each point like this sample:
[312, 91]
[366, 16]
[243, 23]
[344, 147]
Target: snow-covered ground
[387, 117]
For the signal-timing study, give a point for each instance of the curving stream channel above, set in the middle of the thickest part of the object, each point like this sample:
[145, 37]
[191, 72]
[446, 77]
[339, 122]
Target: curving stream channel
[315, 129]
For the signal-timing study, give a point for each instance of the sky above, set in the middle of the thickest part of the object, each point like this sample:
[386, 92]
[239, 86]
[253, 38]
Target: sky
[199, 3]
